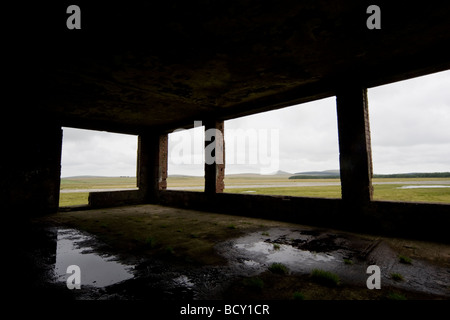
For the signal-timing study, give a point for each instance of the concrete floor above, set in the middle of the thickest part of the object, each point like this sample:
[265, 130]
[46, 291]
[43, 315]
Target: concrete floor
[178, 254]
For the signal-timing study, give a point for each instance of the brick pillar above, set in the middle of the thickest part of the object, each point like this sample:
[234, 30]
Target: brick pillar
[152, 165]
[31, 169]
[355, 153]
[214, 157]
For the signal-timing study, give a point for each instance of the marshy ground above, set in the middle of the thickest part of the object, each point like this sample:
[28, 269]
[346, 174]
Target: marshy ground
[75, 191]
[178, 254]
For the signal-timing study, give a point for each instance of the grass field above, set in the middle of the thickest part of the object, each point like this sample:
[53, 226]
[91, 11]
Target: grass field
[98, 182]
[81, 185]
[389, 192]
[254, 184]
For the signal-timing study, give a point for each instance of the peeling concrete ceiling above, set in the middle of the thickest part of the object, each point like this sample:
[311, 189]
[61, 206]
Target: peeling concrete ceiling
[159, 66]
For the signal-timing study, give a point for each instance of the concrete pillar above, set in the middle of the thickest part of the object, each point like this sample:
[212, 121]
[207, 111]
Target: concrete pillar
[31, 168]
[152, 165]
[214, 157]
[355, 153]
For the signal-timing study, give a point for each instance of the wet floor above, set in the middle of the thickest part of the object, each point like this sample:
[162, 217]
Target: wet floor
[95, 269]
[300, 250]
[257, 251]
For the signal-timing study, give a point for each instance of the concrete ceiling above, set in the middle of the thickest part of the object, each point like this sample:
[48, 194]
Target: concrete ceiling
[136, 67]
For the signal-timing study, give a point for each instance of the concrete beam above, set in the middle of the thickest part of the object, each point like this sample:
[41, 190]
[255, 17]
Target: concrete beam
[214, 157]
[152, 165]
[355, 153]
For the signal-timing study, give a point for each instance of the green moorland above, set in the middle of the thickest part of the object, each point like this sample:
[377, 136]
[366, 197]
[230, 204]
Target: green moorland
[391, 191]
[91, 182]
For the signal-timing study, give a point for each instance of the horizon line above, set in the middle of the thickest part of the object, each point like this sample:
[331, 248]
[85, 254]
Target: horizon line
[245, 173]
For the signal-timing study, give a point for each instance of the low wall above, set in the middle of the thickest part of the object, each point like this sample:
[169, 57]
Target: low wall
[283, 208]
[424, 221]
[115, 198]
[427, 221]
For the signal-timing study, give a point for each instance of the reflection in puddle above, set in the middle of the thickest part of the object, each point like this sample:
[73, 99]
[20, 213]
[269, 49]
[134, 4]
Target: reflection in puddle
[285, 254]
[255, 252]
[183, 281]
[96, 270]
[301, 251]
[250, 263]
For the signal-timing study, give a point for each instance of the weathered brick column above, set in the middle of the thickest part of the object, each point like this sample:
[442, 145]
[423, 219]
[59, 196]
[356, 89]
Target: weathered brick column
[152, 165]
[355, 153]
[31, 169]
[214, 170]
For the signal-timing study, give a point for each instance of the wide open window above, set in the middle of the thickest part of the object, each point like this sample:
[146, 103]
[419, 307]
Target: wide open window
[410, 125]
[291, 151]
[186, 160]
[95, 161]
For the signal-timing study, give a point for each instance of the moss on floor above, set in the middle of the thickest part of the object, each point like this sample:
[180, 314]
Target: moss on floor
[188, 237]
[269, 286]
[150, 229]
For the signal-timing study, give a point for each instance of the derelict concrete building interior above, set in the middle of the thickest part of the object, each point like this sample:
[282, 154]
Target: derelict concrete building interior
[147, 69]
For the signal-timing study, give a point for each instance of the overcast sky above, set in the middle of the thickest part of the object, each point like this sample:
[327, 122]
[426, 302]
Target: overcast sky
[409, 121]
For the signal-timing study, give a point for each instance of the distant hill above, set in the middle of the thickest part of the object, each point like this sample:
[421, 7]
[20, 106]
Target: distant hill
[90, 178]
[246, 175]
[277, 174]
[327, 174]
[280, 172]
[242, 174]
[86, 177]
[414, 175]
[334, 174]
[182, 176]
[319, 173]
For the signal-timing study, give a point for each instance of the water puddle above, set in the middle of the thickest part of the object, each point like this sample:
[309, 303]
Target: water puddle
[96, 270]
[299, 251]
[183, 281]
[285, 254]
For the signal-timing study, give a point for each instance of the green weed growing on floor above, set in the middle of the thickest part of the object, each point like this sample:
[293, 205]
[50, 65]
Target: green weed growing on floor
[278, 268]
[325, 278]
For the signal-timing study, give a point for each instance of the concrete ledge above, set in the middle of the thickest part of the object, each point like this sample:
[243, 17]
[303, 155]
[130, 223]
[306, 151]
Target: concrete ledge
[314, 211]
[80, 207]
[115, 198]
[423, 221]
